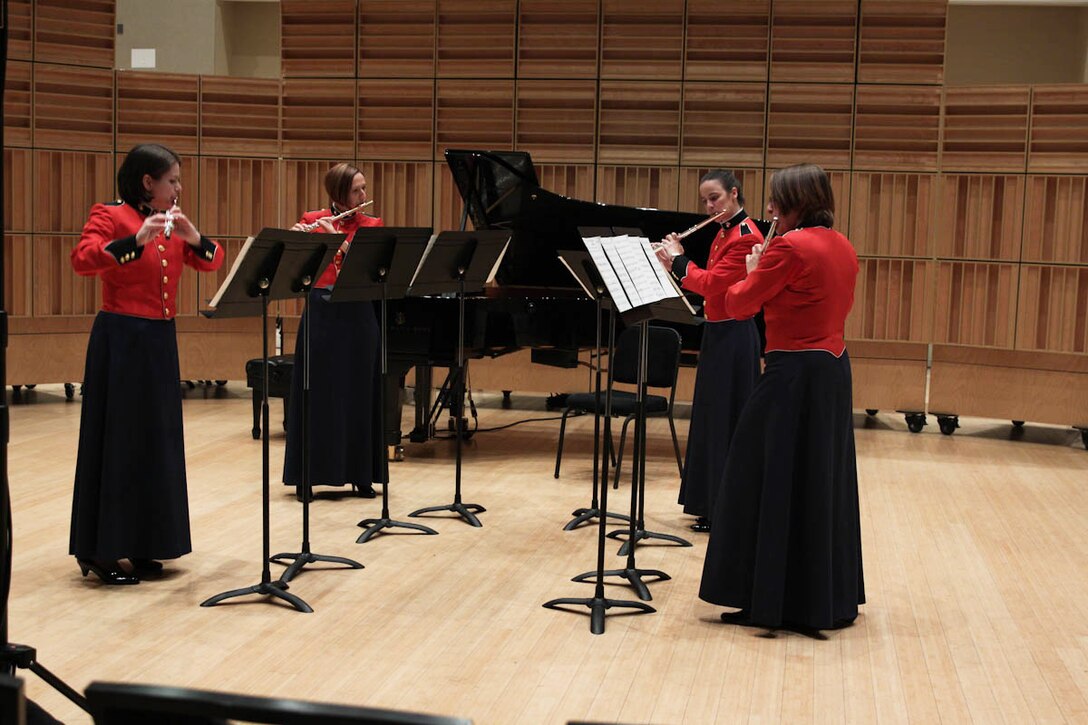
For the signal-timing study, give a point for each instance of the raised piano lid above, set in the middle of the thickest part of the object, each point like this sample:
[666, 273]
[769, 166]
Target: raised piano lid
[501, 191]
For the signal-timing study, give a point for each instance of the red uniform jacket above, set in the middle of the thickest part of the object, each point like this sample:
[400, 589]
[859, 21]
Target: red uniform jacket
[805, 285]
[724, 267]
[347, 225]
[137, 281]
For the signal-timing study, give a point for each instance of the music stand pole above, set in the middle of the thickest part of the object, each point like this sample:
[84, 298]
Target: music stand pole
[631, 572]
[375, 526]
[583, 515]
[304, 556]
[466, 511]
[598, 604]
[277, 589]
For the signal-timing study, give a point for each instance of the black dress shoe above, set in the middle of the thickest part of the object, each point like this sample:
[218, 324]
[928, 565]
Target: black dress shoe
[110, 572]
[702, 525]
[366, 491]
[146, 567]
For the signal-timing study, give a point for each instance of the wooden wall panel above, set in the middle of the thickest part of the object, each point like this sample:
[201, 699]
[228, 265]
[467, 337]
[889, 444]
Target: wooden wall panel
[159, 107]
[397, 38]
[893, 300]
[976, 304]
[73, 107]
[474, 114]
[396, 119]
[318, 118]
[18, 274]
[18, 190]
[1056, 219]
[897, 128]
[574, 181]
[58, 290]
[1059, 129]
[810, 123]
[1052, 313]
[642, 40]
[752, 184]
[80, 179]
[978, 217]
[639, 122]
[20, 30]
[79, 32]
[237, 197]
[476, 38]
[303, 188]
[402, 191]
[557, 120]
[724, 123]
[892, 214]
[985, 128]
[317, 39]
[646, 186]
[813, 41]
[741, 54]
[18, 106]
[902, 42]
[558, 38]
[239, 116]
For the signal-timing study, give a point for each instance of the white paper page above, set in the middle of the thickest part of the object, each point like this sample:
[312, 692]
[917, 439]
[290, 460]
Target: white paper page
[664, 279]
[230, 275]
[498, 261]
[577, 278]
[614, 251]
[612, 283]
[422, 259]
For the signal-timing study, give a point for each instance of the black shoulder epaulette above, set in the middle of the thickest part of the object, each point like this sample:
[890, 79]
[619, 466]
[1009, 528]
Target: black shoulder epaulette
[115, 202]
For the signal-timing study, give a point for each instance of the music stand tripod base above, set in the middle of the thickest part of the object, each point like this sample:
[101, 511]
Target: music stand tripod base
[597, 608]
[302, 558]
[581, 516]
[632, 575]
[467, 511]
[376, 526]
[643, 535]
[273, 589]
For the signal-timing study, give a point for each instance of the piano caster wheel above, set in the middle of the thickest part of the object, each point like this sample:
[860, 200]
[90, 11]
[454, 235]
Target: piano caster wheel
[69, 391]
[398, 454]
[506, 399]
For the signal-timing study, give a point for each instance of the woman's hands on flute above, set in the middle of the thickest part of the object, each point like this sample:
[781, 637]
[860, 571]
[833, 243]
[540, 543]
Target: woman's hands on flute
[155, 224]
[668, 248]
[751, 261]
[323, 224]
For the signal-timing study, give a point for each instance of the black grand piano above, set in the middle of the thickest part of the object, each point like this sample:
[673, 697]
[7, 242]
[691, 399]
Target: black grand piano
[535, 304]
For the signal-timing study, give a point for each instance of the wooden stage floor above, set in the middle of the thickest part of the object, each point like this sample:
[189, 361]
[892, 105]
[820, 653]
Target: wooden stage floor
[976, 563]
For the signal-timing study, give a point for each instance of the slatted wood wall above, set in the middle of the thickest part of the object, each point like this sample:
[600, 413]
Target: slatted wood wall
[966, 205]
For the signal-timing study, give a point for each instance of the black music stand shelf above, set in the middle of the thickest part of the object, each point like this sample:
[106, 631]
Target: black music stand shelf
[380, 264]
[276, 264]
[459, 262]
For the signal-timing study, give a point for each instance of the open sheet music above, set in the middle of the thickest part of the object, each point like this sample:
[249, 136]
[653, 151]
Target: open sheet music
[631, 272]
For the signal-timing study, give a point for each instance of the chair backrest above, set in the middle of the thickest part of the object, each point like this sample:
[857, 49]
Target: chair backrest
[121, 704]
[663, 357]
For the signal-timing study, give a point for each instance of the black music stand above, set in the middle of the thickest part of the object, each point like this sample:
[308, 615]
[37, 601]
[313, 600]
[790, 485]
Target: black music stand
[581, 267]
[276, 264]
[674, 309]
[598, 604]
[380, 264]
[459, 262]
[304, 556]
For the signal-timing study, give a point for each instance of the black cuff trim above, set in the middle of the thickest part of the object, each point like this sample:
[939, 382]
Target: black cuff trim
[125, 249]
[207, 248]
[680, 266]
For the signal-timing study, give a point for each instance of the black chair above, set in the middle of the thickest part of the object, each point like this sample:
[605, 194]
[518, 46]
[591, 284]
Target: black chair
[121, 704]
[280, 368]
[662, 370]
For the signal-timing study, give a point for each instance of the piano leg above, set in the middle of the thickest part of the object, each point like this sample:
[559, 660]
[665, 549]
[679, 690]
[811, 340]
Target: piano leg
[422, 432]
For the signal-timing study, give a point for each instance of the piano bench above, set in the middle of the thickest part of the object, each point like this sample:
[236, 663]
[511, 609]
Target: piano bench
[280, 368]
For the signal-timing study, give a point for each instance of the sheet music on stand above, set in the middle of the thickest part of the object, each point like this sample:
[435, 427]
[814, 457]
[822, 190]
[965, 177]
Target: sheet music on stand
[631, 272]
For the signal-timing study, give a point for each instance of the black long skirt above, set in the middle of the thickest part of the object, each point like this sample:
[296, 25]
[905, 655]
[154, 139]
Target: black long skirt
[345, 374]
[130, 497]
[727, 374]
[785, 538]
